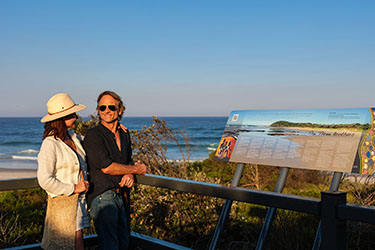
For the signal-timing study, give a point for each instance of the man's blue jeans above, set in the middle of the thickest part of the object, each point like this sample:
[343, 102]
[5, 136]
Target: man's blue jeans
[110, 219]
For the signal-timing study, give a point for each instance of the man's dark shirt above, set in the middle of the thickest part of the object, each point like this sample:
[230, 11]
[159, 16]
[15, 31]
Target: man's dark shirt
[101, 150]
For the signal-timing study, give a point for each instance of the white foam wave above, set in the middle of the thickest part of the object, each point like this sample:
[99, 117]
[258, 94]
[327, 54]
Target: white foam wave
[17, 157]
[211, 149]
[28, 152]
[181, 161]
[214, 144]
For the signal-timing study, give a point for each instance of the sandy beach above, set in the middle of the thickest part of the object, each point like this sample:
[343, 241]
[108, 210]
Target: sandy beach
[15, 169]
[6, 174]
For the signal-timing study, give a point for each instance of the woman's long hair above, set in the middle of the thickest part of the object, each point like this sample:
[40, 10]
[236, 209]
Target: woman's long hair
[55, 128]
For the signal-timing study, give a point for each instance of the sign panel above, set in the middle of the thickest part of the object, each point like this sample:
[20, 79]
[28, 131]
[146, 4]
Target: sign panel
[339, 140]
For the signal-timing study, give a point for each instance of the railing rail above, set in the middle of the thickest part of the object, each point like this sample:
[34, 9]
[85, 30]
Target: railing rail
[333, 202]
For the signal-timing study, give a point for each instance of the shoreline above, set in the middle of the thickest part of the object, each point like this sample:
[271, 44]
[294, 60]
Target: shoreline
[9, 173]
[16, 169]
[18, 164]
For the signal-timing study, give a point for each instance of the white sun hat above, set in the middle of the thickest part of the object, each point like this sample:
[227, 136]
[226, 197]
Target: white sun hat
[61, 105]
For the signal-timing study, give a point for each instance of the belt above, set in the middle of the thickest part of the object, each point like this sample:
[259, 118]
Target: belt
[120, 192]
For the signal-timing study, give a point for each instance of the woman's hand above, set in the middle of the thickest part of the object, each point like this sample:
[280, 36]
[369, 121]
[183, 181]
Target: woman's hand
[123, 128]
[82, 186]
[127, 180]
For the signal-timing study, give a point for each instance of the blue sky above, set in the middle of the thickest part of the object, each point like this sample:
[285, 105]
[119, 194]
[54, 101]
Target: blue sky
[187, 57]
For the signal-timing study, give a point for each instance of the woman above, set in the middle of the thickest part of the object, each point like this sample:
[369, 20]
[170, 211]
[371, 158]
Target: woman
[62, 174]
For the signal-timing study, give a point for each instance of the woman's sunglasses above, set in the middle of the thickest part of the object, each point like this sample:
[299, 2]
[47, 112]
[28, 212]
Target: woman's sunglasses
[110, 107]
[68, 117]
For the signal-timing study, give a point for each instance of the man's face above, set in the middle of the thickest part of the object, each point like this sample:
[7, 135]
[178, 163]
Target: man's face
[108, 109]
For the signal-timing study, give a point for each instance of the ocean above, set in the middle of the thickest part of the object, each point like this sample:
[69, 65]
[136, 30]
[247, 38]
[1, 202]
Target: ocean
[20, 138]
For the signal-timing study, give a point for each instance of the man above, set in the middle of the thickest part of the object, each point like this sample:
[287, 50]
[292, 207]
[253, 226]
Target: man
[111, 169]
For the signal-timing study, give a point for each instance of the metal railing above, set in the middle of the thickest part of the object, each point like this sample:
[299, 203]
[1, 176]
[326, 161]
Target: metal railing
[332, 207]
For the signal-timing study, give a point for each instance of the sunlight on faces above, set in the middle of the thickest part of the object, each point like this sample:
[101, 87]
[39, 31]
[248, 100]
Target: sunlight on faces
[70, 120]
[107, 115]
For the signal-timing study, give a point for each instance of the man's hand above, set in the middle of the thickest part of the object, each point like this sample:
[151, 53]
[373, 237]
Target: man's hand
[127, 180]
[140, 168]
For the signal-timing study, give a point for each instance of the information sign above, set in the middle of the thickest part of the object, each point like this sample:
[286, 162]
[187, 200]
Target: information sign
[340, 140]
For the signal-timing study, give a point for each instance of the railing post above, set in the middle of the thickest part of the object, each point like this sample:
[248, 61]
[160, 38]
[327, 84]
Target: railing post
[335, 183]
[333, 231]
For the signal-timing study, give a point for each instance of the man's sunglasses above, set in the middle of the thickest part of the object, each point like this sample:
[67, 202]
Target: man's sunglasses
[110, 107]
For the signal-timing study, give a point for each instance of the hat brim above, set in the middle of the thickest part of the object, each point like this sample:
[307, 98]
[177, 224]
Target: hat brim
[75, 108]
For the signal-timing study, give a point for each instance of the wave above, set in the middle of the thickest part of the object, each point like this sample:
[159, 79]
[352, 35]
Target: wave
[193, 148]
[28, 152]
[17, 157]
[211, 149]
[192, 145]
[5, 156]
[216, 138]
[206, 129]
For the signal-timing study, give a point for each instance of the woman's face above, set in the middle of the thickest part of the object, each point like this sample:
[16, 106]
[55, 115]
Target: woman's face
[70, 120]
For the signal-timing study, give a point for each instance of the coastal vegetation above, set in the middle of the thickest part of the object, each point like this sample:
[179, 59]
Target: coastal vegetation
[190, 219]
[286, 124]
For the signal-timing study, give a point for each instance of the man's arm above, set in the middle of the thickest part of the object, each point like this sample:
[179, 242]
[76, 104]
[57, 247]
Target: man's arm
[121, 169]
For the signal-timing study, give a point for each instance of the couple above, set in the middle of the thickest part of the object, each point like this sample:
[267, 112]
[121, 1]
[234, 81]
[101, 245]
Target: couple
[63, 174]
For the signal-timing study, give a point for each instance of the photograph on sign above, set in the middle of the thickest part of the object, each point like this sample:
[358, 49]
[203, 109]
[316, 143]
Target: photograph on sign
[338, 140]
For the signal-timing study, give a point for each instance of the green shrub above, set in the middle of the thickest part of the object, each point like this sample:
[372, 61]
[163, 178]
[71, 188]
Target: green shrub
[21, 216]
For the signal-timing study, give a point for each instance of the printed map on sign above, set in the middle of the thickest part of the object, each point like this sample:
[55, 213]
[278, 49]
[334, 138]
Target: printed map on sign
[339, 140]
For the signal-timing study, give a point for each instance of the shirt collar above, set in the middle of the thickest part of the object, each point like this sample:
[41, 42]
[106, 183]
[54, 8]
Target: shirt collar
[106, 130]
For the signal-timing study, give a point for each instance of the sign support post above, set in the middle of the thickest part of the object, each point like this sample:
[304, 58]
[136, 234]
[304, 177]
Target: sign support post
[226, 208]
[271, 211]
